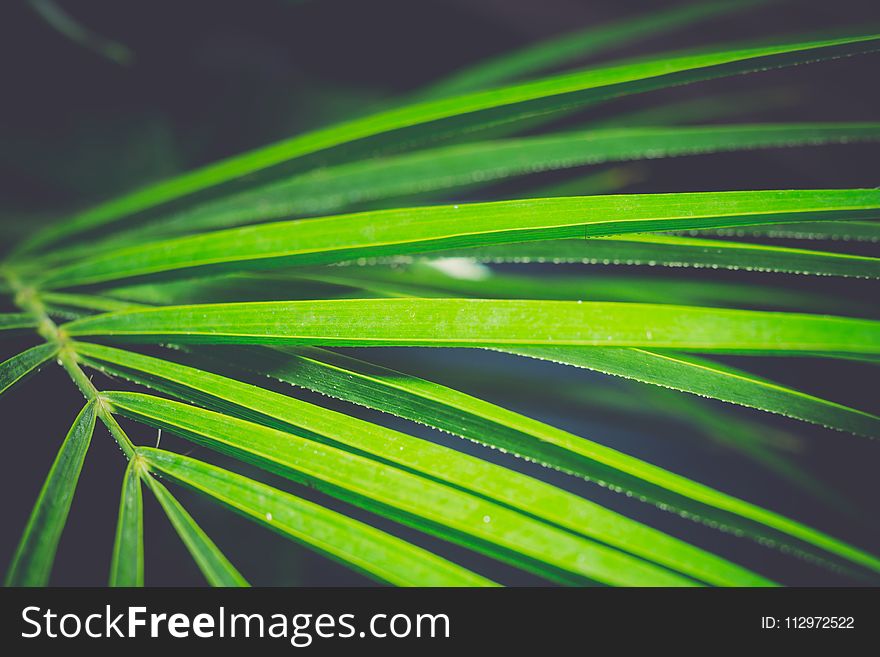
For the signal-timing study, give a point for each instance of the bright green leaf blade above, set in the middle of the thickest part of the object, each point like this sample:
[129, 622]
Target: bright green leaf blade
[216, 568]
[35, 555]
[427, 504]
[443, 464]
[19, 366]
[127, 565]
[673, 251]
[710, 379]
[410, 230]
[486, 107]
[430, 403]
[489, 323]
[575, 45]
[334, 188]
[356, 544]
[9, 321]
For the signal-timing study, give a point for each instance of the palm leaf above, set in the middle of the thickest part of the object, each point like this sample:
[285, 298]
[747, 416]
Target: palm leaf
[394, 232]
[491, 106]
[19, 366]
[460, 276]
[88, 301]
[429, 403]
[35, 555]
[223, 265]
[127, 565]
[211, 561]
[490, 323]
[846, 231]
[443, 277]
[700, 109]
[9, 321]
[711, 379]
[579, 44]
[356, 544]
[424, 503]
[673, 251]
[334, 188]
[442, 464]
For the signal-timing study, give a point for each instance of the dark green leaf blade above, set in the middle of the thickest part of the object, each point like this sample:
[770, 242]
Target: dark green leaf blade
[710, 379]
[838, 231]
[674, 251]
[464, 277]
[60, 20]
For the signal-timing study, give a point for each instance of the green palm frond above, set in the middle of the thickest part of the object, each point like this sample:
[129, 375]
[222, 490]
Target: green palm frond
[207, 295]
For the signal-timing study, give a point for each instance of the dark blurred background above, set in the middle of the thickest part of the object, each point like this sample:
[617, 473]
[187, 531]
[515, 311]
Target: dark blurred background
[208, 79]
